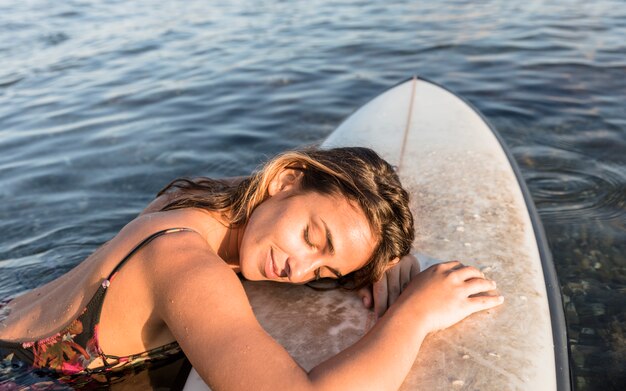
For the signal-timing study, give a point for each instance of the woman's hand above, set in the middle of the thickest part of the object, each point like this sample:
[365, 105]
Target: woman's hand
[383, 293]
[447, 293]
[451, 287]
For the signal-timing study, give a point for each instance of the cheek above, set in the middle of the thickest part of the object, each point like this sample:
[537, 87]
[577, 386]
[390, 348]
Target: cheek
[256, 239]
[273, 223]
[269, 219]
[250, 259]
[247, 253]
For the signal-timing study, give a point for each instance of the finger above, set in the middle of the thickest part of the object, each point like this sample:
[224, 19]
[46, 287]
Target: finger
[479, 285]
[480, 303]
[465, 273]
[365, 294]
[406, 273]
[492, 292]
[415, 266]
[451, 265]
[380, 296]
[394, 284]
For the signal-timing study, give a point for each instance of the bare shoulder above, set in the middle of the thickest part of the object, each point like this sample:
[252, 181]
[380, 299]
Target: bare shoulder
[181, 252]
[158, 203]
[185, 271]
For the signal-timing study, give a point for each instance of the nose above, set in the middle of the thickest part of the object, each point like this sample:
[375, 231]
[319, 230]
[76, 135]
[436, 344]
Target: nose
[302, 268]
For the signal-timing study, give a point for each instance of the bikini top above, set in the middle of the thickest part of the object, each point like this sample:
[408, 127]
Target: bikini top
[75, 348]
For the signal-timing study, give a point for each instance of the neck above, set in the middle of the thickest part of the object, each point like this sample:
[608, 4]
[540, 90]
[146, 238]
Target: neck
[229, 247]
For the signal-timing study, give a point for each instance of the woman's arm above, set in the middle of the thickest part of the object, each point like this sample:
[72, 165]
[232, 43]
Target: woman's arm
[206, 309]
[435, 299]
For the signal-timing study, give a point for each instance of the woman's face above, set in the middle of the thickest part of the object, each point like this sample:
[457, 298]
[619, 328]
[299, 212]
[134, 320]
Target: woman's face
[297, 236]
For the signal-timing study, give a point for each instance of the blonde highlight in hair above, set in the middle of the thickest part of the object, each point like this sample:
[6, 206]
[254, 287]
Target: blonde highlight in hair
[353, 172]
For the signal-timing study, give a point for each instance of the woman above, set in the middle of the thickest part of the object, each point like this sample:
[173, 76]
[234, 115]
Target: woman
[168, 280]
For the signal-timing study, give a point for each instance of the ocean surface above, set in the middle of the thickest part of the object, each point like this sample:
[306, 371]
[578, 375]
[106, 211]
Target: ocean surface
[104, 102]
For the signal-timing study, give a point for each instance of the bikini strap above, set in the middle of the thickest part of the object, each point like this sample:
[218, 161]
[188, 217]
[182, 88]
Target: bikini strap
[91, 316]
[141, 245]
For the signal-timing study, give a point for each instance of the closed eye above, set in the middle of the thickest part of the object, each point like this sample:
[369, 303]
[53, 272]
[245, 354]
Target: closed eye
[329, 244]
[330, 247]
[307, 240]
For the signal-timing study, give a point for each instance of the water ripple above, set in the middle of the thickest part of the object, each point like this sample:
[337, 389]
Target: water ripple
[571, 188]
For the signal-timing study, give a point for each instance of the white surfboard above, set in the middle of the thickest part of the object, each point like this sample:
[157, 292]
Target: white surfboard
[469, 203]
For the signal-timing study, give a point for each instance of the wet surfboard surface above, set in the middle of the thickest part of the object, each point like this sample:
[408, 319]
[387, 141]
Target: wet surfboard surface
[470, 204]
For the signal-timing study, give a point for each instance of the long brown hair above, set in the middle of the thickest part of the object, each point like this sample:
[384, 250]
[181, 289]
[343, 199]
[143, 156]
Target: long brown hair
[354, 172]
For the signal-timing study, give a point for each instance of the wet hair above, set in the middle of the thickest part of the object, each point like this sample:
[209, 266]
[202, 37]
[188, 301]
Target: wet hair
[359, 174]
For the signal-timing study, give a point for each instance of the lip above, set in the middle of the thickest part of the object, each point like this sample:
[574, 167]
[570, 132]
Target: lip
[270, 265]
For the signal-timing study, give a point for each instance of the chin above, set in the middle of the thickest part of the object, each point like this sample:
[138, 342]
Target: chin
[251, 276]
[250, 272]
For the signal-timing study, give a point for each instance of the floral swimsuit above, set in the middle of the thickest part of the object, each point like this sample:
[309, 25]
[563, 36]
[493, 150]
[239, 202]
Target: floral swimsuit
[68, 354]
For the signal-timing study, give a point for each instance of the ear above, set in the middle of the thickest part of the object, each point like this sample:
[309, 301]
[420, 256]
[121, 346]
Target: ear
[286, 179]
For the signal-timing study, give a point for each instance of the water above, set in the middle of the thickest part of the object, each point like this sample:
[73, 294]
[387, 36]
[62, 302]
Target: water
[101, 103]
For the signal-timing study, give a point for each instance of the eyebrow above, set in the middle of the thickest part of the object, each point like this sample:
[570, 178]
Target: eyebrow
[329, 238]
[331, 248]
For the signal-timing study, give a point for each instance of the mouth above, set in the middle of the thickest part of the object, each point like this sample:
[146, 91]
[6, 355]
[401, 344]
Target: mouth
[270, 266]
